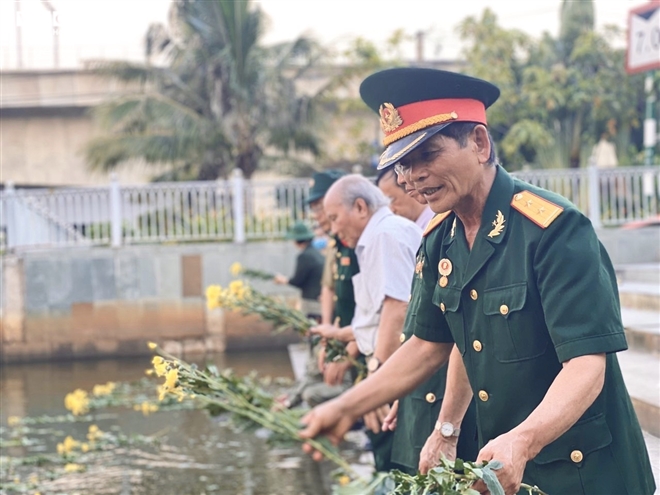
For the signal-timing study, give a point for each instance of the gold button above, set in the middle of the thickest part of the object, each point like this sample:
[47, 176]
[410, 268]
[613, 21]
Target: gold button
[402, 338]
[342, 277]
[476, 345]
[518, 197]
[474, 295]
[504, 309]
[334, 298]
[338, 254]
[483, 395]
[576, 456]
[442, 307]
[430, 397]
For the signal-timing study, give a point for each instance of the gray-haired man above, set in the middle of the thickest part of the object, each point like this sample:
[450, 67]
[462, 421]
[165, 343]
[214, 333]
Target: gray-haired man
[385, 245]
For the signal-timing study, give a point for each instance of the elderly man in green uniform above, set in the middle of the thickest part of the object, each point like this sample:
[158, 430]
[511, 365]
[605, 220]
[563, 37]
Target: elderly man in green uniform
[413, 417]
[520, 274]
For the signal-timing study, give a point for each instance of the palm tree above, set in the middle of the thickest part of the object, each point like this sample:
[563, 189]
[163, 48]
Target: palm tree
[216, 100]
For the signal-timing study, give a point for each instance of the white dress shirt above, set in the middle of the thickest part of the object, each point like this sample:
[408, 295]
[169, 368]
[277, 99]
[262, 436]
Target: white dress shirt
[386, 254]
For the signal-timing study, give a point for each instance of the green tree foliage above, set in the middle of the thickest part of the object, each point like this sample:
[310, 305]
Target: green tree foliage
[218, 99]
[558, 95]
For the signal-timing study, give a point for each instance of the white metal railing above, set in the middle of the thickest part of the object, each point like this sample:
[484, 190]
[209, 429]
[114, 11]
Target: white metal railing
[239, 210]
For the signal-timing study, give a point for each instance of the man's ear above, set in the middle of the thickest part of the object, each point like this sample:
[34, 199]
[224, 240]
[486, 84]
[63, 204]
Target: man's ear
[361, 207]
[482, 143]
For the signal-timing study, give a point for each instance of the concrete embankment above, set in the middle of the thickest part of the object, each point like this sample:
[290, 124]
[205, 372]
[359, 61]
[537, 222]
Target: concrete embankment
[97, 302]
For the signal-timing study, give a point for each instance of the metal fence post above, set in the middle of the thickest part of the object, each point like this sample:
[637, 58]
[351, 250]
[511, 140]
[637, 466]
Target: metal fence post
[10, 216]
[238, 212]
[594, 196]
[115, 212]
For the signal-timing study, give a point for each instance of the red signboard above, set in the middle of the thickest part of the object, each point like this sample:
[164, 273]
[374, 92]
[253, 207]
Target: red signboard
[643, 53]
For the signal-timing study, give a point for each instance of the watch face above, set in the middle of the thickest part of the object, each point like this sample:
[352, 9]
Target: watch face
[447, 429]
[373, 364]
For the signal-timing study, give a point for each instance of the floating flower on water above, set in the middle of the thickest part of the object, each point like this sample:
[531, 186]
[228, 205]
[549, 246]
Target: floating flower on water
[67, 446]
[146, 407]
[100, 390]
[13, 420]
[94, 433]
[213, 294]
[235, 269]
[73, 468]
[77, 402]
[152, 345]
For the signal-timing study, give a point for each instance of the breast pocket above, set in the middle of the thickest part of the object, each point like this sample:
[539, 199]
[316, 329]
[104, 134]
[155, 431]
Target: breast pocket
[448, 299]
[514, 332]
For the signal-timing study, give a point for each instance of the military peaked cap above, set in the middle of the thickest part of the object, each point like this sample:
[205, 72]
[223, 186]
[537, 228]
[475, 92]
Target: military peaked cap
[416, 103]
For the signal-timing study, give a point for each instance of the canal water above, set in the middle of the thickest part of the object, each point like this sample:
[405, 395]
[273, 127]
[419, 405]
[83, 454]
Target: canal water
[203, 455]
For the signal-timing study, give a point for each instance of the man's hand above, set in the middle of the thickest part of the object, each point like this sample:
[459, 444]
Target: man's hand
[333, 373]
[389, 423]
[374, 419]
[280, 279]
[325, 331]
[328, 419]
[511, 449]
[435, 447]
[320, 358]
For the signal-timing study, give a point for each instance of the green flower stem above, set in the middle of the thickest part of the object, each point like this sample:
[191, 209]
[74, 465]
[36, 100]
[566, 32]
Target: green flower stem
[239, 404]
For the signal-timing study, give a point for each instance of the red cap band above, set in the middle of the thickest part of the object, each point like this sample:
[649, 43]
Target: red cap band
[407, 119]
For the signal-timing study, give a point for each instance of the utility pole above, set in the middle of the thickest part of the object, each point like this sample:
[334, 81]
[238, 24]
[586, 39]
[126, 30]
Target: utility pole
[55, 25]
[650, 123]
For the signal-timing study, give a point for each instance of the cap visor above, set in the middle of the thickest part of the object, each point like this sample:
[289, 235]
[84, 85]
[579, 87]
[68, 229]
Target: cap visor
[398, 149]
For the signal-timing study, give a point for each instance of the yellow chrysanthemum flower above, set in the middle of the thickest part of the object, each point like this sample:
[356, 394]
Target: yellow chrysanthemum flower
[146, 407]
[100, 390]
[213, 296]
[152, 345]
[235, 269]
[160, 366]
[94, 433]
[67, 446]
[84, 447]
[13, 420]
[73, 468]
[77, 402]
[237, 289]
[343, 480]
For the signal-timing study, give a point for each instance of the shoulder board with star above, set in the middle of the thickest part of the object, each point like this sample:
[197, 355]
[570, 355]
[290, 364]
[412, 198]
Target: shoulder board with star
[435, 221]
[540, 211]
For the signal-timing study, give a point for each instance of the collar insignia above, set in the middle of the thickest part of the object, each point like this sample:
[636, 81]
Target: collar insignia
[498, 225]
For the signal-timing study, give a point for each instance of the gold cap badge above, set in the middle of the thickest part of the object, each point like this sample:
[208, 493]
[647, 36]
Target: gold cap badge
[390, 119]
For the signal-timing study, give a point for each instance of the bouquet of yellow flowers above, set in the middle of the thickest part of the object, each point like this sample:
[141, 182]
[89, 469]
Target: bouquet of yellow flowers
[240, 296]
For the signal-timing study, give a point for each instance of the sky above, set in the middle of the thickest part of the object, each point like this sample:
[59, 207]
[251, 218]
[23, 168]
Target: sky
[115, 28]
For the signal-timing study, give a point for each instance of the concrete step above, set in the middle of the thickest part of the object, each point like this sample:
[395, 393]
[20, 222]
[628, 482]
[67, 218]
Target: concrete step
[640, 295]
[641, 373]
[642, 329]
[639, 272]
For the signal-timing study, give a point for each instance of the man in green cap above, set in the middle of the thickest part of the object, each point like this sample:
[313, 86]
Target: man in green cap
[325, 381]
[520, 272]
[308, 271]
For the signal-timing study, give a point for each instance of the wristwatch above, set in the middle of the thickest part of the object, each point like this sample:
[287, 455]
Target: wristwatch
[373, 364]
[447, 429]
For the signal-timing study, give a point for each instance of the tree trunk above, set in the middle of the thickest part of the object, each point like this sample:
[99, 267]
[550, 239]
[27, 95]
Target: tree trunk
[576, 142]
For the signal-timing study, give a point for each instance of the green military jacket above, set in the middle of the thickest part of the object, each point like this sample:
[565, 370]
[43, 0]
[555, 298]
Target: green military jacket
[346, 267]
[418, 411]
[536, 290]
